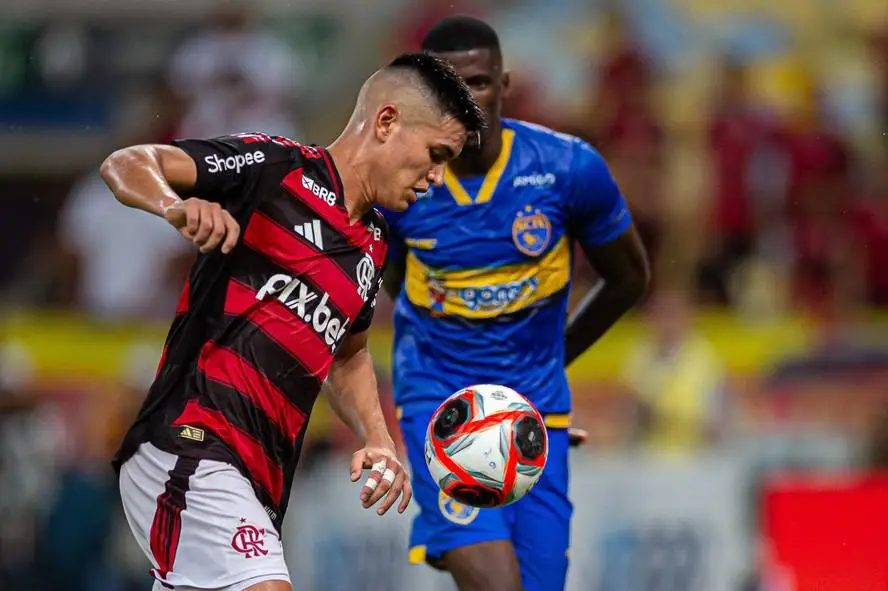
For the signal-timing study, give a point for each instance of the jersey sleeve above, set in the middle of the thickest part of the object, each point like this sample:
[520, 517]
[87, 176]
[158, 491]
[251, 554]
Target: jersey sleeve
[597, 211]
[365, 316]
[229, 167]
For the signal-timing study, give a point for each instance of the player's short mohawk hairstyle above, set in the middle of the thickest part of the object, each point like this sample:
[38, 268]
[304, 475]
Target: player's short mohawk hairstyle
[446, 86]
[460, 33]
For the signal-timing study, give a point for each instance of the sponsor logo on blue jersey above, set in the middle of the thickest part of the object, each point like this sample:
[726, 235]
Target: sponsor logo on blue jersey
[492, 297]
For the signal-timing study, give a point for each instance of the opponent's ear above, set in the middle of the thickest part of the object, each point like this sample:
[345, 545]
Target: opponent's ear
[387, 118]
[506, 83]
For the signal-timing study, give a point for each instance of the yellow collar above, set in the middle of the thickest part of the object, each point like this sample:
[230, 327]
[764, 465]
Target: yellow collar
[491, 179]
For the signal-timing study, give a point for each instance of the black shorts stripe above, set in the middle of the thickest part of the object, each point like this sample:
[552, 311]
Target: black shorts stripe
[167, 525]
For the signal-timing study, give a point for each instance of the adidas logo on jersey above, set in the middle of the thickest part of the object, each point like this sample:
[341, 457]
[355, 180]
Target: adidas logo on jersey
[319, 191]
[310, 306]
[311, 231]
[534, 180]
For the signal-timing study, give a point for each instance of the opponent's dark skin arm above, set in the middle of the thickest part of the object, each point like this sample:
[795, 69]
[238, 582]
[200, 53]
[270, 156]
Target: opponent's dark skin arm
[623, 267]
[395, 271]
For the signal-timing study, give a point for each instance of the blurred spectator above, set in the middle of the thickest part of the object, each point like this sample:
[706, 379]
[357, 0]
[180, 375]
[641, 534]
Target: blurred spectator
[234, 76]
[28, 439]
[738, 135]
[118, 263]
[871, 234]
[421, 17]
[622, 85]
[677, 380]
[624, 126]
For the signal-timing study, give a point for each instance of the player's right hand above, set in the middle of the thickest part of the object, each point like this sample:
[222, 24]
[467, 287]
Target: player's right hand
[387, 475]
[205, 223]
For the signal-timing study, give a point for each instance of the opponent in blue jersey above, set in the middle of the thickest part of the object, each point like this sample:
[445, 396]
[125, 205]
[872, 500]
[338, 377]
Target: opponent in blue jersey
[481, 271]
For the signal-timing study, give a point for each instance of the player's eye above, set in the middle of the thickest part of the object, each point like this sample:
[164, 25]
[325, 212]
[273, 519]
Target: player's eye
[438, 156]
[478, 82]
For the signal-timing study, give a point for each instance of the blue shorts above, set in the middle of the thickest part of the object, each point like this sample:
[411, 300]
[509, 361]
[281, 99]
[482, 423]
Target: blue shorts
[538, 525]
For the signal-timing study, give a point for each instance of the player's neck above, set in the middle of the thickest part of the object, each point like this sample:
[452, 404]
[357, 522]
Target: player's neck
[356, 193]
[478, 162]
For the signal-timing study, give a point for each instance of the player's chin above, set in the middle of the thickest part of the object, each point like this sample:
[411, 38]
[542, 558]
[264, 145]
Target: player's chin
[406, 200]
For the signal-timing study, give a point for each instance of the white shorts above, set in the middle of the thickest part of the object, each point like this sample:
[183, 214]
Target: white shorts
[199, 523]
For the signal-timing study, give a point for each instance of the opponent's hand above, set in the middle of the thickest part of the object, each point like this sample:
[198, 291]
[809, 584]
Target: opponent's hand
[386, 475]
[577, 437]
[204, 223]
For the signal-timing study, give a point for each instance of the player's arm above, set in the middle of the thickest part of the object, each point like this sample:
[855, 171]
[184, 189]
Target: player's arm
[213, 173]
[353, 394]
[602, 225]
[396, 270]
[396, 260]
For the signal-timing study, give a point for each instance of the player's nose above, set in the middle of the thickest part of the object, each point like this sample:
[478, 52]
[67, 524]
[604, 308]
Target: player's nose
[436, 175]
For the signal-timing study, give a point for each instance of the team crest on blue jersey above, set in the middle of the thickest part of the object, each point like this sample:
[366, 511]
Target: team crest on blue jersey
[455, 511]
[531, 231]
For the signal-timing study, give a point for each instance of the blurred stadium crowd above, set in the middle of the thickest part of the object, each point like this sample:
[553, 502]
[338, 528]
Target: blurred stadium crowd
[748, 136]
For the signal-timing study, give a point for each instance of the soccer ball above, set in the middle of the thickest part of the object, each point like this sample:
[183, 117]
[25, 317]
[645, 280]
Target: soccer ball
[486, 446]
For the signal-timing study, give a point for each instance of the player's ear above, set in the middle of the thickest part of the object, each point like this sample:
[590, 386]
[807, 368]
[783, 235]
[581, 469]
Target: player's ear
[387, 118]
[506, 83]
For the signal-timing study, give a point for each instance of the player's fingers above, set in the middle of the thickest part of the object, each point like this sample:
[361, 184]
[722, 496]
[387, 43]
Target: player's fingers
[385, 484]
[577, 437]
[217, 234]
[394, 492]
[406, 494]
[206, 225]
[232, 232]
[192, 218]
[372, 482]
[357, 465]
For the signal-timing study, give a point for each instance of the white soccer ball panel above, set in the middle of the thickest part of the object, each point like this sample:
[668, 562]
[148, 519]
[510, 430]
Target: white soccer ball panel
[494, 398]
[482, 455]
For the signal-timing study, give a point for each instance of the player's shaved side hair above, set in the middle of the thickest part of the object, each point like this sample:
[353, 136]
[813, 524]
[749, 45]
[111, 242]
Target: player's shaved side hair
[460, 33]
[450, 92]
[423, 87]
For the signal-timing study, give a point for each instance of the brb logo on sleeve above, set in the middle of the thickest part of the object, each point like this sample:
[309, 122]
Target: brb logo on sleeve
[318, 190]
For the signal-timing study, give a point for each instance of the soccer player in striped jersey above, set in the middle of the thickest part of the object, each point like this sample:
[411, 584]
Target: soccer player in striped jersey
[278, 301]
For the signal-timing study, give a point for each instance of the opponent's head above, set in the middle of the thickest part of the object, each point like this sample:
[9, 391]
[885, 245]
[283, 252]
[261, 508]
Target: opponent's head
[416, 114]
[473, 48]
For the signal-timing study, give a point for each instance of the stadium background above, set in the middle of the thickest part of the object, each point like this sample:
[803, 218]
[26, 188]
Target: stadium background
[749, 137]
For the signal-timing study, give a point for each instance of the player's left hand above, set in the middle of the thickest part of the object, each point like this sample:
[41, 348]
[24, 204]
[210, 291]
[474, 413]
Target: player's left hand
[387, 475]
[577, 437]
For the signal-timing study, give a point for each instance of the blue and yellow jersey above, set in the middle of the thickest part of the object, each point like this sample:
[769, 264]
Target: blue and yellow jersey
[489, 269]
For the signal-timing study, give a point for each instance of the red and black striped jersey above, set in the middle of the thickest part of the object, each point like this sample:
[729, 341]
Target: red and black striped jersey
[256, 330]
